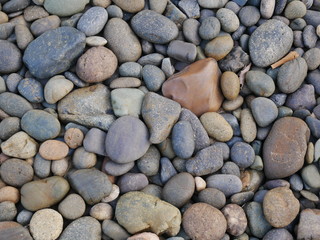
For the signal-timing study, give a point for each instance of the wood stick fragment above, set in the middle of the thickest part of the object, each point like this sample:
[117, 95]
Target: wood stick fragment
[242, 74]
[290, 56]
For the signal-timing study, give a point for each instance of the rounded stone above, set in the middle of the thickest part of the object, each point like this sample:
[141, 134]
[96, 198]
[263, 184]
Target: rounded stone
[312, 57]
[228, 19]
[53, 150]
[166, 29]
[10, 58]
[280, 207]
[236, 219]
[8, 211]
[242, 154]
[270, 42]
[57, 88]
[93, 21]
[219, 47]
[65, 8]
[202, 221]
[14, 105]
[311, 176]
[182, 139]
[280, 234]
[209, 28]
[190, 30]
[267, 8]
[149, 163]
[46, 224]
[127, 140]
[114, 230]
[153, 77]
[96, 41]
[31, 90]
[226, 183]
[131, 6]
[212, 196]
[96, 64]
[132, 182]
[216, 126]
[117, 169]
[16, 172]
[40, 125]
[73, 137]
[295, 9]
[8, 127]
[101, 211]
[83, 159]
[230, 85]
[260, 83]
[72, 207]
[9, 193]
[44, 24]
[308, 222]
[264, 111]
[130, 69]
[249, 15]
[122, 40]
[179, 189]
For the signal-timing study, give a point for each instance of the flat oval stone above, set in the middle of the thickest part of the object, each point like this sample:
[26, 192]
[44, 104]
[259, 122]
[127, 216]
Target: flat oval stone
[54, 51]
[65, 8]
[53, 150]
[182, 139]
[166, 29]
[179, 189]
[264, 111]
[307, 227]
[14, 105]
[282, 157]
[270, 42]
[93, 21]
[196, 87]
[226, 183]
[114, 230]
[212, 196]
[10, 58]
[40, 125]
[43, 193]
[13, 230]
[122, 40]
[117, 169]
[42, 25]
[149, 163]
[72, 207]
[127, 140]
[137, 211]
[260, 83]
[132, 182]
[91, 184]
[153, 77]
[219, 47]
[242, 154]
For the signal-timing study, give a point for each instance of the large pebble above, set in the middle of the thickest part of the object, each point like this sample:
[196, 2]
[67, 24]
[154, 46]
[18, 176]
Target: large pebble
[127, 140]
[212, 3]
[54, 51]
[226, 183]
[40, 125]
[212, 196]
[117, 169]
[209, 28]
[219, 47]
[122, 40]
[94, 141]
[202, 221]
[114, 230]
[43, 193]
[13, 230]
[264, 111]
[282, 157]
[242, 154]
[132, 182]
[311, 176]
[57, 88]
[182, 139]
[267, 8]
[166, 29]
[304, 97]
[72, 207]
[100, 186]
[93, 21]
[295, 9]
[307, 227]
[236, 219]
[53, 150]
[10, 59]
[153, 77]
[260, 83]
[65, 8]
[228, 19]
[149, 163]
[270, 42]
[42, 25]
[137, 211]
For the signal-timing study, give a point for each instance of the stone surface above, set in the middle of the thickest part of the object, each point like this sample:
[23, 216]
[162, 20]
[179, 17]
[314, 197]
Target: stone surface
[264, 111]
[31, 90]
[8, 211]
[72, 207]
[153, 77]
[43, 193]
[230, 85]
[182, 139]
[64, 8]
[131, 6]
[94, 141]
[132, 182]
[114, 230]
[212, 196]
[236, 60]
[260, 83]
[42, 25]
[13, 230]
[200, 77]
[73, 137]
[8, 127]
[270, 42]
[54, 51]
[53, 150]
[309, 219]
[226, 183]
[228, 19]
[242, 154]
[93, 21]
[303, 98]
[280, 233]
[209, 28]
[10, 60]
[280, 207]
[56, 89]
[137, 211]
[14, 105]
[202, 221]
[236, 219]
[101, 211]
[282, 157]
[311, 176]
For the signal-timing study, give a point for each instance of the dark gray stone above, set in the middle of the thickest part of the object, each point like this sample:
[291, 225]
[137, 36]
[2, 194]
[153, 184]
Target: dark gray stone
[230, 168]
[304, 97]
[190, 31]
[312, 17]
[260, 83]
[241, 198]
[233, 121]
[152, 59]
[54, 51]
[190, 7]
[149, 163]
[182, 139]
[41, 166]
[132, 182]
[209, 28]
[280, 6]
[113, 230]
[182, 51]
[314, 125]
[14, 105]
[93, 21]
[278, 98]
[31, 89]
[130, 69]
[12, 82]
[15, 5]
[313, 78]
[212, 196]
[167, 170]
[236, 60]
[8, 127]
[226, 183]
[179, 164]
[10, 57]
[264, 111]
[75, 79]
[309, 36]
[242, 154]
[298, 24]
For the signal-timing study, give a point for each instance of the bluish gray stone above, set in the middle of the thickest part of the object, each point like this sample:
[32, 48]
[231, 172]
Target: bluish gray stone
[226, 183]
[167, 170]
[15, 5]
[166, 29]
[54, 51]
[182, 51]
[149, 163]
[190, 7]
[113, 230]
[190, 31]
[130, 69]
[212, 196]
[40, 125]
[232, 120]
[8, 211]
[14, 105]
[94, 141]
[259, 196]
[152, 59]
[31, 89]
[206, 161]
[182, 139]
[41, 166]
[278, 98]
[75, 79]
[313, 78]
[312, 17]
[304, 97]
[8, 127]
[249, 16]
[242, 154]
[309, 36]
[132, 182]
[260, 83]
[264, 111]
[296, 182]
[230, 168]
[12, 82]
[209, 28]
[93, 21]
[10, 58]
[279, 234]
[280, 6]
[153, 77]
[114, 11]
[314, 125]
[271, 184]
[117, 169]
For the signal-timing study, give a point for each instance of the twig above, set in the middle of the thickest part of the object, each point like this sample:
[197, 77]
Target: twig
[242, 74]
[290, 56]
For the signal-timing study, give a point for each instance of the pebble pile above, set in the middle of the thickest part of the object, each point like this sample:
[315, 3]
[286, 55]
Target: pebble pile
[159, 119]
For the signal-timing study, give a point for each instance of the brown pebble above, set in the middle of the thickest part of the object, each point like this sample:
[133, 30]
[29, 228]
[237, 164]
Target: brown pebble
[9, 193]
[236, 219]
[230, 85]
[53, 150]
[3, 158]
[144, 236]
[73, 137]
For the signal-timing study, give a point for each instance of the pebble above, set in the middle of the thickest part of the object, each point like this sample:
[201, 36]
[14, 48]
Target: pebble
[267, 8]
[304, 97]
[226, 183]
[8, 211]
[125, 82]
[280, 207]
[101, 211]
[205, 161]
[281, 233]
[132, 182]
[241, 198]
[262, 117]
[260, 83]
[310, 175]
[312, 58]
[15, 6]
[8, 127]
[24, 217]
[209, 28]
[12, 62]
[200, 215]
[309, 196]
[41, 166]
[43, 193]
[309, 36]
[119, 34]
[295, 10]
[200, 183]
[137, 211]
[179, 189]
[216, 126]
[242, 154]
[266, 48]
[117, 169]
[159, 114]
[56, 89]
[212, 4]
[182, 51]
[94, 141]
[13, 230]
[23, 35]
[182, 139]
[236, 219]
[53, 150]
[247, 125]
[60, 167]
[10, 194]
[32, 13]
[20, 145]
[309, 219]
[65, 8]
[100, 186]
[228, 19]
[249, 16]
[96, 41]
[72, 207]
[219, 47]
[73, 137]
[113, 230]
[86, 228]
[31, 89]
[167, 170]
[46, 224]
[130, 69]
[65, 43]
[190, 30]
[153, 77]
[83, 159]
[230, 85]
[231, 168]
[236, 60]
[149, 163]
[45, 24]
[213, 197]
[166, 149]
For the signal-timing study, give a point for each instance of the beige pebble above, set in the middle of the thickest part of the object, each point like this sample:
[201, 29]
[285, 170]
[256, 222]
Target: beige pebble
[230, 85]
[73, 137]
[9, 193]
[144, 236]
[318, 31]
[200, 183]
[247, 126]
[310, 155]
[2, 183]
[60, 167]
[101, 211]
[101, 3]
[233, 104]
[96, 41]
[113, 195]
[125, 82]
[3, 17]
[53, 150]
[219, 47]
[237, 113]
[216, 126]
[30, 161]
[3, 158]
[57, 88]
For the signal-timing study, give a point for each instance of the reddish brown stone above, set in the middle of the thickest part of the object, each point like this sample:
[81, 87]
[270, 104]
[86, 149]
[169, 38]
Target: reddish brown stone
[13, 231]
[196, 87]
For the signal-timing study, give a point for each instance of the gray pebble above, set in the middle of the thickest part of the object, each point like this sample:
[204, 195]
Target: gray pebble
[10, 60]
[228, 184]
[94, 141]
[8, 127]
[230, 168]
[149, 163]
[264, 111]
[242, 154]
[45, 24]
[312, 78]
[93, 21]
[209, 28]
[72, 21]
[298, 24]
[182, 139]
[83, 159]
[233, 6]
[113, 230]
[167, 67]
[224, 149]
[182, 51]
[117, 169]
[236, 60]
[233, 121]
[241, 198]
[114, 11]
[12, 82]
[279, 98]
[267, 8]
[41, 166]
[130, 69]
[31, 89]
[152, 59]
[179, 164]
[249, 16]
[309, 36]
[212, 196]
[167, 170]
[8, 211]
[312, 57]
[132, 182]
[280, 6]
[153, 190]
[280, 234]
[260, 83]
[190, 31]
[228, 19]
[304, 97]
[24, 217]
[212, 4]
[153, 77]
[190, 7]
